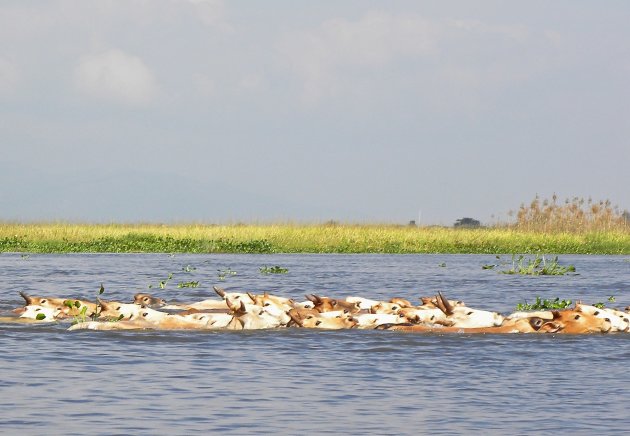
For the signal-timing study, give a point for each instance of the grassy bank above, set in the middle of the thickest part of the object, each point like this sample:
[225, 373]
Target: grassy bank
[286, 238]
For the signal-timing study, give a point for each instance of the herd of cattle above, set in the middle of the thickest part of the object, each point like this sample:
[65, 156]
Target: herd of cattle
[246, 311]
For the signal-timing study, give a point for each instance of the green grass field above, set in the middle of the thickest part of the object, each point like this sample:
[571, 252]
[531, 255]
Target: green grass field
[292, 238]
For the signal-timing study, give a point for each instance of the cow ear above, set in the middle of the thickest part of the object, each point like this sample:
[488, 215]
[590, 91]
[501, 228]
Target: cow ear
[556, 314]
[536, 323]
[333, 302]
[311, 298]
[550, 327]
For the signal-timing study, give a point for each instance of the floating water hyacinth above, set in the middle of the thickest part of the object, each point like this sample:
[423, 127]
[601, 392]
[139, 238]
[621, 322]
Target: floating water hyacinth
[273, 270]
[539, 266]
[545, 304]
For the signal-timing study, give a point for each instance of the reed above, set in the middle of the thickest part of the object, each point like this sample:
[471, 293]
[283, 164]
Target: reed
[293, 238]
[575, 215]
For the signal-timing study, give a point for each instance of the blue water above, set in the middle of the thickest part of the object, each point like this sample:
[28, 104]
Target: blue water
[296, 381]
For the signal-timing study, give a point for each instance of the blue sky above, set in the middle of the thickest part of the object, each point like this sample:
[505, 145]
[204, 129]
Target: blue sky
[356, 111]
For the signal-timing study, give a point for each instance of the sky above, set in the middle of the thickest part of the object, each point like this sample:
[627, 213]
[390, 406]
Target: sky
[355, 111]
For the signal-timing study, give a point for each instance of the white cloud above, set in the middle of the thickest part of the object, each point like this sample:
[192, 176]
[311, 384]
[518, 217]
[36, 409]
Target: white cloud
[374, 41]
[251, 81]
[116, 76]
[204, 85]
[517, 33]
[410, 53]
[9, 76]
[211, 13]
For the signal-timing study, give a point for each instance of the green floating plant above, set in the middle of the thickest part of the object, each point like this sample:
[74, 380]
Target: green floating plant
[273, 270]
[538, 266]
[223, 273]
[545, 304]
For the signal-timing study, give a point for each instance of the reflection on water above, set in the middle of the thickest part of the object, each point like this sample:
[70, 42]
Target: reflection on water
[296, 381]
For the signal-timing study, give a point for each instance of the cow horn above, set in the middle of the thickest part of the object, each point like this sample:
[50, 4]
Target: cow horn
[440, 304]
[447, 305]
[295, 319]
[28, 299]
[314, 298]
[252, 296]
[243, 308]
[219, 291]
[230, 305]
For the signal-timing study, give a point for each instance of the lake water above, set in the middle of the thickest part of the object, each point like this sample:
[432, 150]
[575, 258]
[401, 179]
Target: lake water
[296, 381]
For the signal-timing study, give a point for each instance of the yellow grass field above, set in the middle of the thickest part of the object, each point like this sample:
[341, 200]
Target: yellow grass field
[294, 238]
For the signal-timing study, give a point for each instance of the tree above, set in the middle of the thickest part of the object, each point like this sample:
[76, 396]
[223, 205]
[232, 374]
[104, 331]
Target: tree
[467, 222]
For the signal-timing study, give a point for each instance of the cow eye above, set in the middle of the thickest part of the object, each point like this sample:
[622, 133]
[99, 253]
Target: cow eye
[394, 308]
[596, 313]
[145, 299]
[118, 308]
[145, 313]
[577, 317]
[401, 315]
[267, 304]
[318, 323]
[43, 301]
[469, 313]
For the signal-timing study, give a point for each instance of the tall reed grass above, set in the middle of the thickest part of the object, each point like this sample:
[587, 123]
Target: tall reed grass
[575, 215]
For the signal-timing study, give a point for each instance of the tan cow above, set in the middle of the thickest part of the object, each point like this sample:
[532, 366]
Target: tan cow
[575, 322]
[344, 321]
[465, 317]
[325, 304]
[69, 306]
[148, 300]
[519, 325]
[619, 320]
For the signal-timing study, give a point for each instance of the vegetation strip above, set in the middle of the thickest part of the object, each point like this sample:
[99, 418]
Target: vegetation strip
[289, 238]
